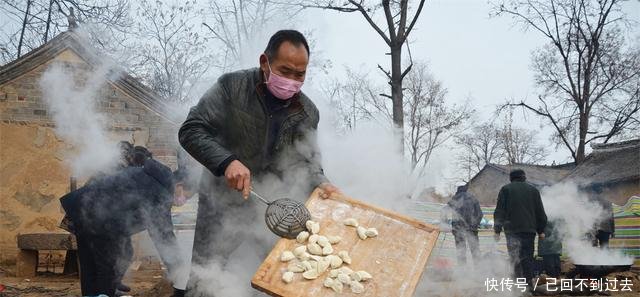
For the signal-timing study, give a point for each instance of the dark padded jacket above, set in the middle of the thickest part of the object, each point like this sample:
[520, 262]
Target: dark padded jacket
[127, 202]
[231, 121]
[466, 210]
[519, 209]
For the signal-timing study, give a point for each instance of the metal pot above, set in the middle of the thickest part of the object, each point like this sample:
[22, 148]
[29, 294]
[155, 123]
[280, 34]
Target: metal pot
[598, 271]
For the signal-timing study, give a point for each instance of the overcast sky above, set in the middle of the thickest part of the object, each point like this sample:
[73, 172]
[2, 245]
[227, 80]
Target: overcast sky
[487, 59]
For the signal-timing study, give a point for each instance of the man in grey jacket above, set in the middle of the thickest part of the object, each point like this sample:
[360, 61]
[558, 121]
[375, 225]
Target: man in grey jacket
[467, 216]
[253, 126]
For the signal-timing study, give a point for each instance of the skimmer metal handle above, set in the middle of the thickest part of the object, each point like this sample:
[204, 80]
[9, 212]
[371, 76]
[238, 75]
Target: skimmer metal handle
[264, 200]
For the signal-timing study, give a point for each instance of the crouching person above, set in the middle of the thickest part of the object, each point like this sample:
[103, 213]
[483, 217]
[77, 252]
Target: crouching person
[550, 249]
[114, 207]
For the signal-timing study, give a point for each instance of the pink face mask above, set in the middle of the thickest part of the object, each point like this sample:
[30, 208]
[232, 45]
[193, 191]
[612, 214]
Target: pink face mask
[282, 87]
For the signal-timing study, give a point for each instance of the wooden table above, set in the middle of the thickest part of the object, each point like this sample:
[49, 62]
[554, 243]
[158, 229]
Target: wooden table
[395, 259]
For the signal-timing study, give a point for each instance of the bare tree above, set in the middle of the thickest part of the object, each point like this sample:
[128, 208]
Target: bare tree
[34, 22]
[519, 145]
[431, 121]
[587, 74]
[171, 54]
[355, 99]
[238, 23]
[394, 30]
[480, 146]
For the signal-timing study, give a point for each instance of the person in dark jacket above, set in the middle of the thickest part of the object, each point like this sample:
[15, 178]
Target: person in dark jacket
[140, 154]
[113, 207]
[464, 225]
[605, 227]
[252, 127]
[520, 213]
[550, 249]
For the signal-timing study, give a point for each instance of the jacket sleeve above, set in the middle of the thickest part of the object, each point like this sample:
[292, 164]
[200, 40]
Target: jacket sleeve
[499, 214]
[161, 233]
[199, 134]
[477, 211]
[541, 216]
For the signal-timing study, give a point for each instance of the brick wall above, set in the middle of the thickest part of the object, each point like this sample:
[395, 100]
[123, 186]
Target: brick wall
[24, 118]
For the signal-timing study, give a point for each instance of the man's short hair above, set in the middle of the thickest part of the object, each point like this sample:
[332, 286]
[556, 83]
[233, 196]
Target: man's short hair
[126, 148]
[293, 36]
[517, 174]
[140, 154]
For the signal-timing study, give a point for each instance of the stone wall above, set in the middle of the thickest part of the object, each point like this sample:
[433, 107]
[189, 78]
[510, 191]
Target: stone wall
[33, 171]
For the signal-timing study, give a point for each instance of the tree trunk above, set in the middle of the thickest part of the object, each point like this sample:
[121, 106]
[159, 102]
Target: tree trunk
[396, 93]
[46, 31]
[584, 127]
[24, 27]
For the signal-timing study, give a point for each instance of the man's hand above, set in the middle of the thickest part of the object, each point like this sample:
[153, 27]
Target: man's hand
[496, 236]
[327, 190]
[541, 236]
[238, 177]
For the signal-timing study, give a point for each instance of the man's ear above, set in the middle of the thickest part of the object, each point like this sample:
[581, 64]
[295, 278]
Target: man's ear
[264, 63]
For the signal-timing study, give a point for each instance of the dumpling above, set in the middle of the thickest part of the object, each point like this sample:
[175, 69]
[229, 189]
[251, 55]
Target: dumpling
[334, 239]
[287, 256]
[361, 232]
[361, 276]
[299, 250]
[314, 249]
[344, 255]
[351, 222]
[287, 277]
[371, 232]
[302, 237]
[310, 274]
[327, 250]
[356, 287]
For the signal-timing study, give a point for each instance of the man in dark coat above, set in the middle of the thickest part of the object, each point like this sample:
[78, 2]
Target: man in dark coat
[521, 214]
[113, 207]
[605, 226]
[464, 225]
[253, 126]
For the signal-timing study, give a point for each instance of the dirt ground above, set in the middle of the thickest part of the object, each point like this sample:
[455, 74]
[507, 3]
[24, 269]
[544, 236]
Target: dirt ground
[143, 283]
[150, 283]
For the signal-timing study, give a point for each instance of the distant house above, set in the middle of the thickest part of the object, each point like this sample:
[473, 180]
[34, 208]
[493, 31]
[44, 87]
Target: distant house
[33, 171]
[486, 184]
[615, 167]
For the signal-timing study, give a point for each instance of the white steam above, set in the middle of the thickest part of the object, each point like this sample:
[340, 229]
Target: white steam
[576, 215]
[71, 100]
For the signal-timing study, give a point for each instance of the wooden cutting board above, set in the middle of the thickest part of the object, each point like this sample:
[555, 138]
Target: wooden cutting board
[395, 259]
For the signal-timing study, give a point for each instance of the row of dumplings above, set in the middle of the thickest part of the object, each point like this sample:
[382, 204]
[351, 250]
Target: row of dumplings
[315, 256]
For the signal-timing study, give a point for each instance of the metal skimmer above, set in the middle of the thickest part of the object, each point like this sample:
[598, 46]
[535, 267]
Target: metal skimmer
[285, 217]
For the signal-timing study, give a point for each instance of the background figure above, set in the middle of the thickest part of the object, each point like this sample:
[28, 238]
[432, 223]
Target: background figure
[605, 227]
[126, 154]
[521, 213]
[113, 207]
[550, 249]
[464, 225]
[139, 155]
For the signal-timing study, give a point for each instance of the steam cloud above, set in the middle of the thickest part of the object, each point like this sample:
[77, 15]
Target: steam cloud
[577, 215]
[71, 102]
